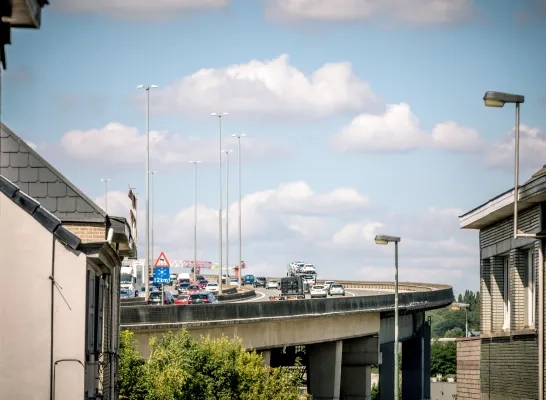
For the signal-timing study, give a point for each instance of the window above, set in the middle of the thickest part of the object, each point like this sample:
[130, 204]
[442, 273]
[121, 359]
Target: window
[530, 289]
[506, 294]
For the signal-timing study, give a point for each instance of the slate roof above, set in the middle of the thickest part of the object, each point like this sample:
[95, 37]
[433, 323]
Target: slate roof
[40, 214]
[23, 166]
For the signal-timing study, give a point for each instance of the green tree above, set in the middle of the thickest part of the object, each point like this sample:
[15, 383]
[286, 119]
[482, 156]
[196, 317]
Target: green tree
[182, 368]
[454, 333]
[443, 358]
[132, 384]
[445, 319]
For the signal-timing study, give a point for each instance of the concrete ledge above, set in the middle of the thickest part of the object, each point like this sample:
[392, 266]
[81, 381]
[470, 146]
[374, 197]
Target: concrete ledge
[240, 312]
[132, 301]
[229, 290]
[244, 294]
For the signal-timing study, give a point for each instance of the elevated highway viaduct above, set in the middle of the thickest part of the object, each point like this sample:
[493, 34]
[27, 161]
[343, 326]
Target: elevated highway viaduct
[338, 339]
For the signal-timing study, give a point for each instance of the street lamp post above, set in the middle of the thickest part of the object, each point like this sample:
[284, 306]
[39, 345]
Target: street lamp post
[147, 275]
[240, 220]
[219, 116]
[383, 240]
[466, 306]
[194, 218]
[499, 99]
[227, 214]
[152, 173]
[105, 180]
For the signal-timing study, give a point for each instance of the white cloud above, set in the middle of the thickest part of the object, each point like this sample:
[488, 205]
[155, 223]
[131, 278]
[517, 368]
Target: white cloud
[267, 88]
[532, 147]
[333, 230]
[120, 144]
[415, 12]
[142, 9]
[399, 130]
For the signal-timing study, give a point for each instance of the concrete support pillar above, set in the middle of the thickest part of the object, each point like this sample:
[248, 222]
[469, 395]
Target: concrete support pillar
[416, 366]
[358, 356]
[324, 370]
[386, 372]
[266, 354]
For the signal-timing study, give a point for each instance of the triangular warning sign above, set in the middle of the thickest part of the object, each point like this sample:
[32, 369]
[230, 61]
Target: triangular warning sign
[162, 261]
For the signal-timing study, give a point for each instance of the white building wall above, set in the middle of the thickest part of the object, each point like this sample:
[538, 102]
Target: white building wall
[26, 259]
[26, 252]
[69, 324]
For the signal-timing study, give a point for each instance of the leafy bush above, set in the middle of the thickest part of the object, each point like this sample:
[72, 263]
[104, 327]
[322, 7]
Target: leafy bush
[182, 368]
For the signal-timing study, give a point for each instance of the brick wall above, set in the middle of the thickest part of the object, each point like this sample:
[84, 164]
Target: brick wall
[497, 293]
[528, 222]
[485, 292]
[88, 233]
[509, 368]
[518, 274]
[468, 368]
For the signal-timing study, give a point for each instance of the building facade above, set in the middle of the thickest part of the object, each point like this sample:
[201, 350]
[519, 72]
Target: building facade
[506, 357]
[79, 217]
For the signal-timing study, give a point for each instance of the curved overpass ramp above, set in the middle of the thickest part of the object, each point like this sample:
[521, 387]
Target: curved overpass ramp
[266, 324]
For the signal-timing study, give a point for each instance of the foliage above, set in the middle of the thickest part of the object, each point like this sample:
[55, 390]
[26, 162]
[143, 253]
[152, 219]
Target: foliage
[182, 368]
[446, 320]
[375, 392]
[443, 358]
[132, 383]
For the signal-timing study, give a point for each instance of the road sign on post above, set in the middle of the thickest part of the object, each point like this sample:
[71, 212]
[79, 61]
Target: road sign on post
[161, 275]
[162, 268]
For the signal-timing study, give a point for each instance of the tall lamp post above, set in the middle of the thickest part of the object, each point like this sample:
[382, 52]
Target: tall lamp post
[466, 306]
[499, 99]
[240, 229]
[383, 240]
[105, 180]
[147, 275]
[194, 218]
[219, 116]
[227, 214]
[152, 173]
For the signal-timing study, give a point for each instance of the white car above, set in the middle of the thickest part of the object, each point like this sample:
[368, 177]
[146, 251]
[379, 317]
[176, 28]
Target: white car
[318, 291]
[272, 285]
[327, 284]
[212, 287]
[234, 281]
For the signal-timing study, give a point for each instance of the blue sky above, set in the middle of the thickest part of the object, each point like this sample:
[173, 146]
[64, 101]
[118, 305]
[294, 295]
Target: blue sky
[359, 119]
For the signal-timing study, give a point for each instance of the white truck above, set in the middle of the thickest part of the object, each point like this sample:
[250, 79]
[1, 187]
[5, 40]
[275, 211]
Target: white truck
[128, 278]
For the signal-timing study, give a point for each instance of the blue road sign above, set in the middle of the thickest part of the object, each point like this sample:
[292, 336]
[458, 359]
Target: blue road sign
[162, 275]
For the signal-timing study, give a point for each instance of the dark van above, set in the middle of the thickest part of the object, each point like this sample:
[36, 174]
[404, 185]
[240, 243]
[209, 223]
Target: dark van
[248, 280]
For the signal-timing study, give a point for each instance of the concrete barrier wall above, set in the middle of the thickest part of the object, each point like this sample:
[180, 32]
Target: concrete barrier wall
[135, 315]
[236, 296]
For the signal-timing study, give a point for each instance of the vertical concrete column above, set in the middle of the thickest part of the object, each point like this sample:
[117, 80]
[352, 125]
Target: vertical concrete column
[266, 354]
[324, 370]
[358, 356]
[414, 374]
[518, 275]
[386, 372]
[497, 293]
[485, 292]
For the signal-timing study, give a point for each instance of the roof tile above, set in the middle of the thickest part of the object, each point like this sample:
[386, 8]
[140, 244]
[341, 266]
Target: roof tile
[66, 204]
[4, 160]
[37, 190]
[56, 189]
[9, 145]
[46, 176]
[28, 174]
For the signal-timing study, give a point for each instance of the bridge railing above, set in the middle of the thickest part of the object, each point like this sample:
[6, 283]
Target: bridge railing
[372, 285]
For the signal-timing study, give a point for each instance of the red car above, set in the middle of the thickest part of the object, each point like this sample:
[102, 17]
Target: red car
[193, 288]
[182, 299]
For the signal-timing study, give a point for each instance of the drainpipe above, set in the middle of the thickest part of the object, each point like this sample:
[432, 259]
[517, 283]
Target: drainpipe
[541, 321]
[51, 321]
[110, 235]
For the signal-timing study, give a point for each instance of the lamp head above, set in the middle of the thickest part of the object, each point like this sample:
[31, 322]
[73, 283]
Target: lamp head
[386, 239]
[499, 99]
